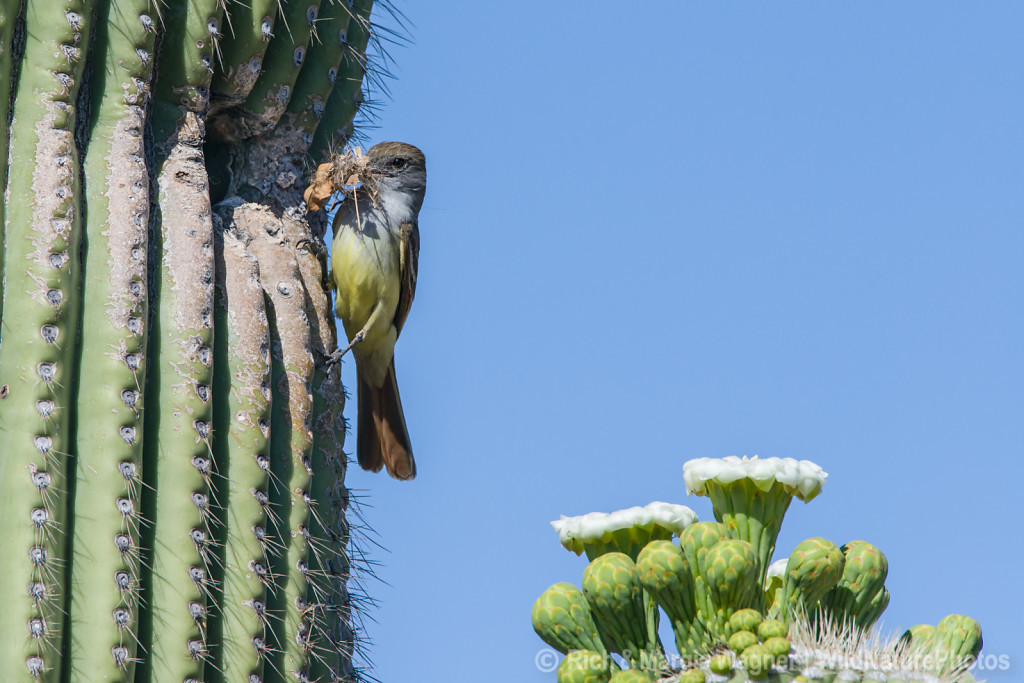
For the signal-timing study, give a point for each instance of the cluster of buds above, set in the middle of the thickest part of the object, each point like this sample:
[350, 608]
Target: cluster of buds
[735, 615]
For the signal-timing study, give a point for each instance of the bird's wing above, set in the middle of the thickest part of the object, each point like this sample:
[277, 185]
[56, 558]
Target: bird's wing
[410, 236]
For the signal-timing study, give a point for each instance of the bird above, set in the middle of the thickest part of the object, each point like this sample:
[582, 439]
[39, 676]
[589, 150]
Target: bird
[374, 259]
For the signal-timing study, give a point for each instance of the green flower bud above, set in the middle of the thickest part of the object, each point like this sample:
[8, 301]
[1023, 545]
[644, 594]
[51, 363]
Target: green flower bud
[694, 542]
[697, 539]
[744, 620]
[772, 628]
[692, 676]
[584, 666]
[863, 579]
[665, 575]
[757, 661]
[876, 607]
[813, 569]
[615, 596]
[956, 643]
[778, 646]
[741, 640]
[562, 618]
[730, 569]
[720, 664]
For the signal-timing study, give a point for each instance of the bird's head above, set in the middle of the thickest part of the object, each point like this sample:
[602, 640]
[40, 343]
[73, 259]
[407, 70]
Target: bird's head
[393, 171]
[398, 167]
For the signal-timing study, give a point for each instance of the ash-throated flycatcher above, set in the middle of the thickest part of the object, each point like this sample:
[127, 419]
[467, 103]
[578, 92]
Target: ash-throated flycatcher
[373, 267]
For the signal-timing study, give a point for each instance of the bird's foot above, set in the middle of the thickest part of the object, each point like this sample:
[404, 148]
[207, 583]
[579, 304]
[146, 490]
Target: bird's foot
[338, 354]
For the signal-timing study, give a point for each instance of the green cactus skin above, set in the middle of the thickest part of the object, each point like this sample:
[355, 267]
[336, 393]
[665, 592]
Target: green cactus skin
[42, 233]
[864, 573]
[177, 451]
[814, 568]
[665, 575]
[751, 514]
[583, 666]
[250, 26]
[291, 441]
[105, 574]
[335, 127]
[282, 62]
[242, 377]
[561, 617]
[612, 587]
[730, 568]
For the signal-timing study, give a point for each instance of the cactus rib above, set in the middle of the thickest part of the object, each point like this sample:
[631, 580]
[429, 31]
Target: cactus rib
[108, 469]
[282, 63]
[178, 452]
[242, 383]
[330, 638]
[251, 25]
[291, 438]
[335, 126]
[42, 234]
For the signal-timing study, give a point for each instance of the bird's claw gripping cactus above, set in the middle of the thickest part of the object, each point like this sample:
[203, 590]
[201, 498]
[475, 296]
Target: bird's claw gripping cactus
[715, 587]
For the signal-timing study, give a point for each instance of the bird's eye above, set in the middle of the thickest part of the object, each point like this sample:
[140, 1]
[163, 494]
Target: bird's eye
[398, 164]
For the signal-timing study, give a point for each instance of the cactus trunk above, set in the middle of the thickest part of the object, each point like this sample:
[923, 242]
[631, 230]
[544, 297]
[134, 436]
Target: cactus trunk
[173, 466]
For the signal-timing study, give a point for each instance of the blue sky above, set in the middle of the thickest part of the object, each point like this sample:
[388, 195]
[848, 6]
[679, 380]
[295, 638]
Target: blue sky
[659, 231]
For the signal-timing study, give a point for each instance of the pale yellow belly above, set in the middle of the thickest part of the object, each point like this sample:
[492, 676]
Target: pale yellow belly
[365, 271]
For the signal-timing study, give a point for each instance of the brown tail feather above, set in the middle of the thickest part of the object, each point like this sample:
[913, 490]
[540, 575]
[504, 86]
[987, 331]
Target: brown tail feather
[383, 437]
[368, 449]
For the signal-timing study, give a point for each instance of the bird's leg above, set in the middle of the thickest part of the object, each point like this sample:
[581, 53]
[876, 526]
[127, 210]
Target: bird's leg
[375, 320]
[338, 354]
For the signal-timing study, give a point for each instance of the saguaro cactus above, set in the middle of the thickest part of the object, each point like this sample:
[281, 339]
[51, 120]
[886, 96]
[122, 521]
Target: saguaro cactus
[172, 470]
[715, 586]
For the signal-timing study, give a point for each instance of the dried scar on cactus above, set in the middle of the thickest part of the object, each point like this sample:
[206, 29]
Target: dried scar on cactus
[343, 173]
